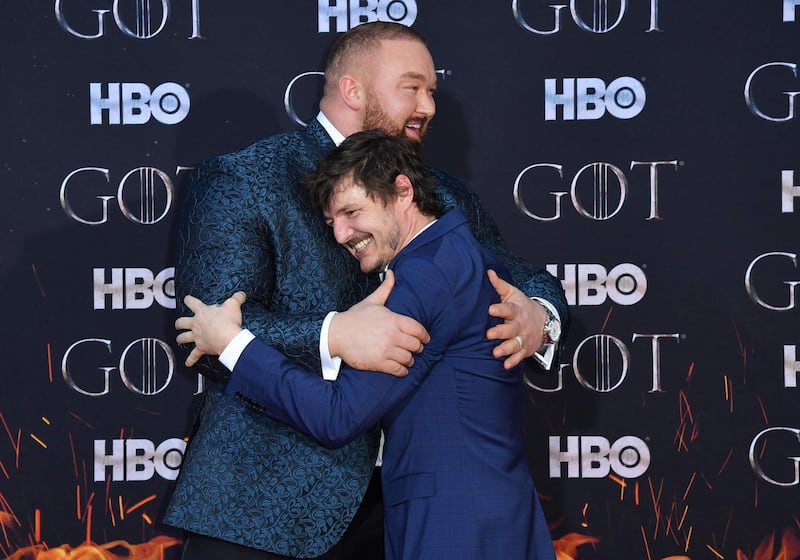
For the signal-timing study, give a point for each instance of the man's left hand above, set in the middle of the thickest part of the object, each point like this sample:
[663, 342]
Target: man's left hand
[522, 330]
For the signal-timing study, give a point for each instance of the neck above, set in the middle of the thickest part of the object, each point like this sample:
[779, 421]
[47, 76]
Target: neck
[347, 122]
[418, 223]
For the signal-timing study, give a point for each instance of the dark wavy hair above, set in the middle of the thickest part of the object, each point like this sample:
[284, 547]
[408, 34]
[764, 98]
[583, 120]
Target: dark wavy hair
[373, 159]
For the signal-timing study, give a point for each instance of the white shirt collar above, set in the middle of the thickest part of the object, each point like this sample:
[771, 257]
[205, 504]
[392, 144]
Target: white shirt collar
[426, 226]
[335, 135]
[381, 275]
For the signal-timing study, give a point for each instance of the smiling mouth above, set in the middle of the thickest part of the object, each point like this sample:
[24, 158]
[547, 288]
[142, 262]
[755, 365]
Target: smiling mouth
[418, 126]
[361, 245]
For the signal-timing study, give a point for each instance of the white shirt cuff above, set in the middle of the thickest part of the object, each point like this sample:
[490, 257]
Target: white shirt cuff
[230, 355]
[330, 364]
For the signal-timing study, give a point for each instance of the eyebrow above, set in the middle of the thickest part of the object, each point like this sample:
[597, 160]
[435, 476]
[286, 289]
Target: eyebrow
[416, 76]
[342, 210]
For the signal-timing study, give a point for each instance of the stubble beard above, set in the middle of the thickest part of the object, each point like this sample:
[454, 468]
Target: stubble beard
[375, 118]
[393, 242]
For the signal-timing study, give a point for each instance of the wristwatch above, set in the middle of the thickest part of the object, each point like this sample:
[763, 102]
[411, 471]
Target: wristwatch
[551, 332]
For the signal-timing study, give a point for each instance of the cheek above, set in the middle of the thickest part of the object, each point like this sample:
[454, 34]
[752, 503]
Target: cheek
[400, 106]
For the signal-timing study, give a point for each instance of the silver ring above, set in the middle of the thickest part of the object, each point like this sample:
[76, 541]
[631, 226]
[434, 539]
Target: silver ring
[518, 338]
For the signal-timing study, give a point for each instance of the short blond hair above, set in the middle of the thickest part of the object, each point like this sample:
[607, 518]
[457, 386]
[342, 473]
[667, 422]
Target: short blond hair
[360, 43]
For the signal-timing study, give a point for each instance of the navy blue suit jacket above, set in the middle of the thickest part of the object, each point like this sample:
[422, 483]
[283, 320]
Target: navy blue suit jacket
[246, 226]
[456, 480]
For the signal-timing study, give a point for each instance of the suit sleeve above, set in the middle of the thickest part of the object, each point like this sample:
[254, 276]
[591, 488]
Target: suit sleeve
[335, 413]
[532, 280]
[224, 246]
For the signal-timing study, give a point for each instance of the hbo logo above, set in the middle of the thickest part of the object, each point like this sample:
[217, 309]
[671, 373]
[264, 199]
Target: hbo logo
[589, 98]
[347, 14]
[134, 288]
[134, 103]
[591, 284]
[138, 459]
[594, 457]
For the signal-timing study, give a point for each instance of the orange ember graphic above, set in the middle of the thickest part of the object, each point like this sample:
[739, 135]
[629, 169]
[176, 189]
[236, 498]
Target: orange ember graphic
[567, 546]
[790, 548]
[151, 550]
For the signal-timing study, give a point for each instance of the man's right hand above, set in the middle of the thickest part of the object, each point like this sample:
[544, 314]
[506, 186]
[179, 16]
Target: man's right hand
[370, 337]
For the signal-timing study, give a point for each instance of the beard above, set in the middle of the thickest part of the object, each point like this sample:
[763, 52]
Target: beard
[375, 118]
[392, 241]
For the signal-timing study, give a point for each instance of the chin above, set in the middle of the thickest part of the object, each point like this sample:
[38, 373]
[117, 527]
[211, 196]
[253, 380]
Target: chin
[372, 269]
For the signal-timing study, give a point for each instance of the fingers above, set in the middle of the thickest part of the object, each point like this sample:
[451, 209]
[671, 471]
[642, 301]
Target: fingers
[502, 331]
[183, 323]
[414, 332]
[512, 350]
[192, 303]
[513, 360]
[401, 356]
[186, 337]
[503, 288]
[396, 368]
[508, 347]
[381, 293]
[399, 362]
[517, 342]
[199, 329]
[196, 306]
[505, 311]
[193, 357]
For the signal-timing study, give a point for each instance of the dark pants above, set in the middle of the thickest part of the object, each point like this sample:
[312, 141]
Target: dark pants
[363, 539]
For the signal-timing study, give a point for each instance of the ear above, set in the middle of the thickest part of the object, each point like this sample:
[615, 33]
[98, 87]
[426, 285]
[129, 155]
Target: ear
[351, 92]
[404, 190]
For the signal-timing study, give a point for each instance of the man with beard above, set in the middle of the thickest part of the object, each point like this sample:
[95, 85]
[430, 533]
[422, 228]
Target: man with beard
[251, 487]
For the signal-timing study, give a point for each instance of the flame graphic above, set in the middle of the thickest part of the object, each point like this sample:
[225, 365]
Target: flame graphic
[790, 548]
[567, 546]
[151, 550]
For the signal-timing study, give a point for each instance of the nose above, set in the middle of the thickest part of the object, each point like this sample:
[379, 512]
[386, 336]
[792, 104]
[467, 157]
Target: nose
[341, 232]
[426, 104]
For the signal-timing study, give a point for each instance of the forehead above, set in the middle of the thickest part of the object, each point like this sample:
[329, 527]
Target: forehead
[346, 194]
[404, 57]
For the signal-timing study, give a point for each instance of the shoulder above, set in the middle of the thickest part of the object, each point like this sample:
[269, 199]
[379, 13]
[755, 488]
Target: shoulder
[271, 163]
[444, 179]
[453, 192]
[260, 153]
[443, 282]
[446, 259]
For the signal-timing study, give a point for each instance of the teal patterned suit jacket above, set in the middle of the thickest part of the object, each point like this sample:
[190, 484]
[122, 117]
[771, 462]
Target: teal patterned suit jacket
[246, 226]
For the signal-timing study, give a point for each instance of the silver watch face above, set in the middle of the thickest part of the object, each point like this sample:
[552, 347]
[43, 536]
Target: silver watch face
[553, 329]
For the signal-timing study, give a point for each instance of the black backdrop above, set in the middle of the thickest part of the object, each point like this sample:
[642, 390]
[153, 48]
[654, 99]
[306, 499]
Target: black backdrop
[656, 180]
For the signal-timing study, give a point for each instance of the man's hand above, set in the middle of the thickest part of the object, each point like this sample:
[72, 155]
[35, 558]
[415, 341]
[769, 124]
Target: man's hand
[523, 326]
[370, 337]
[212, 327]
